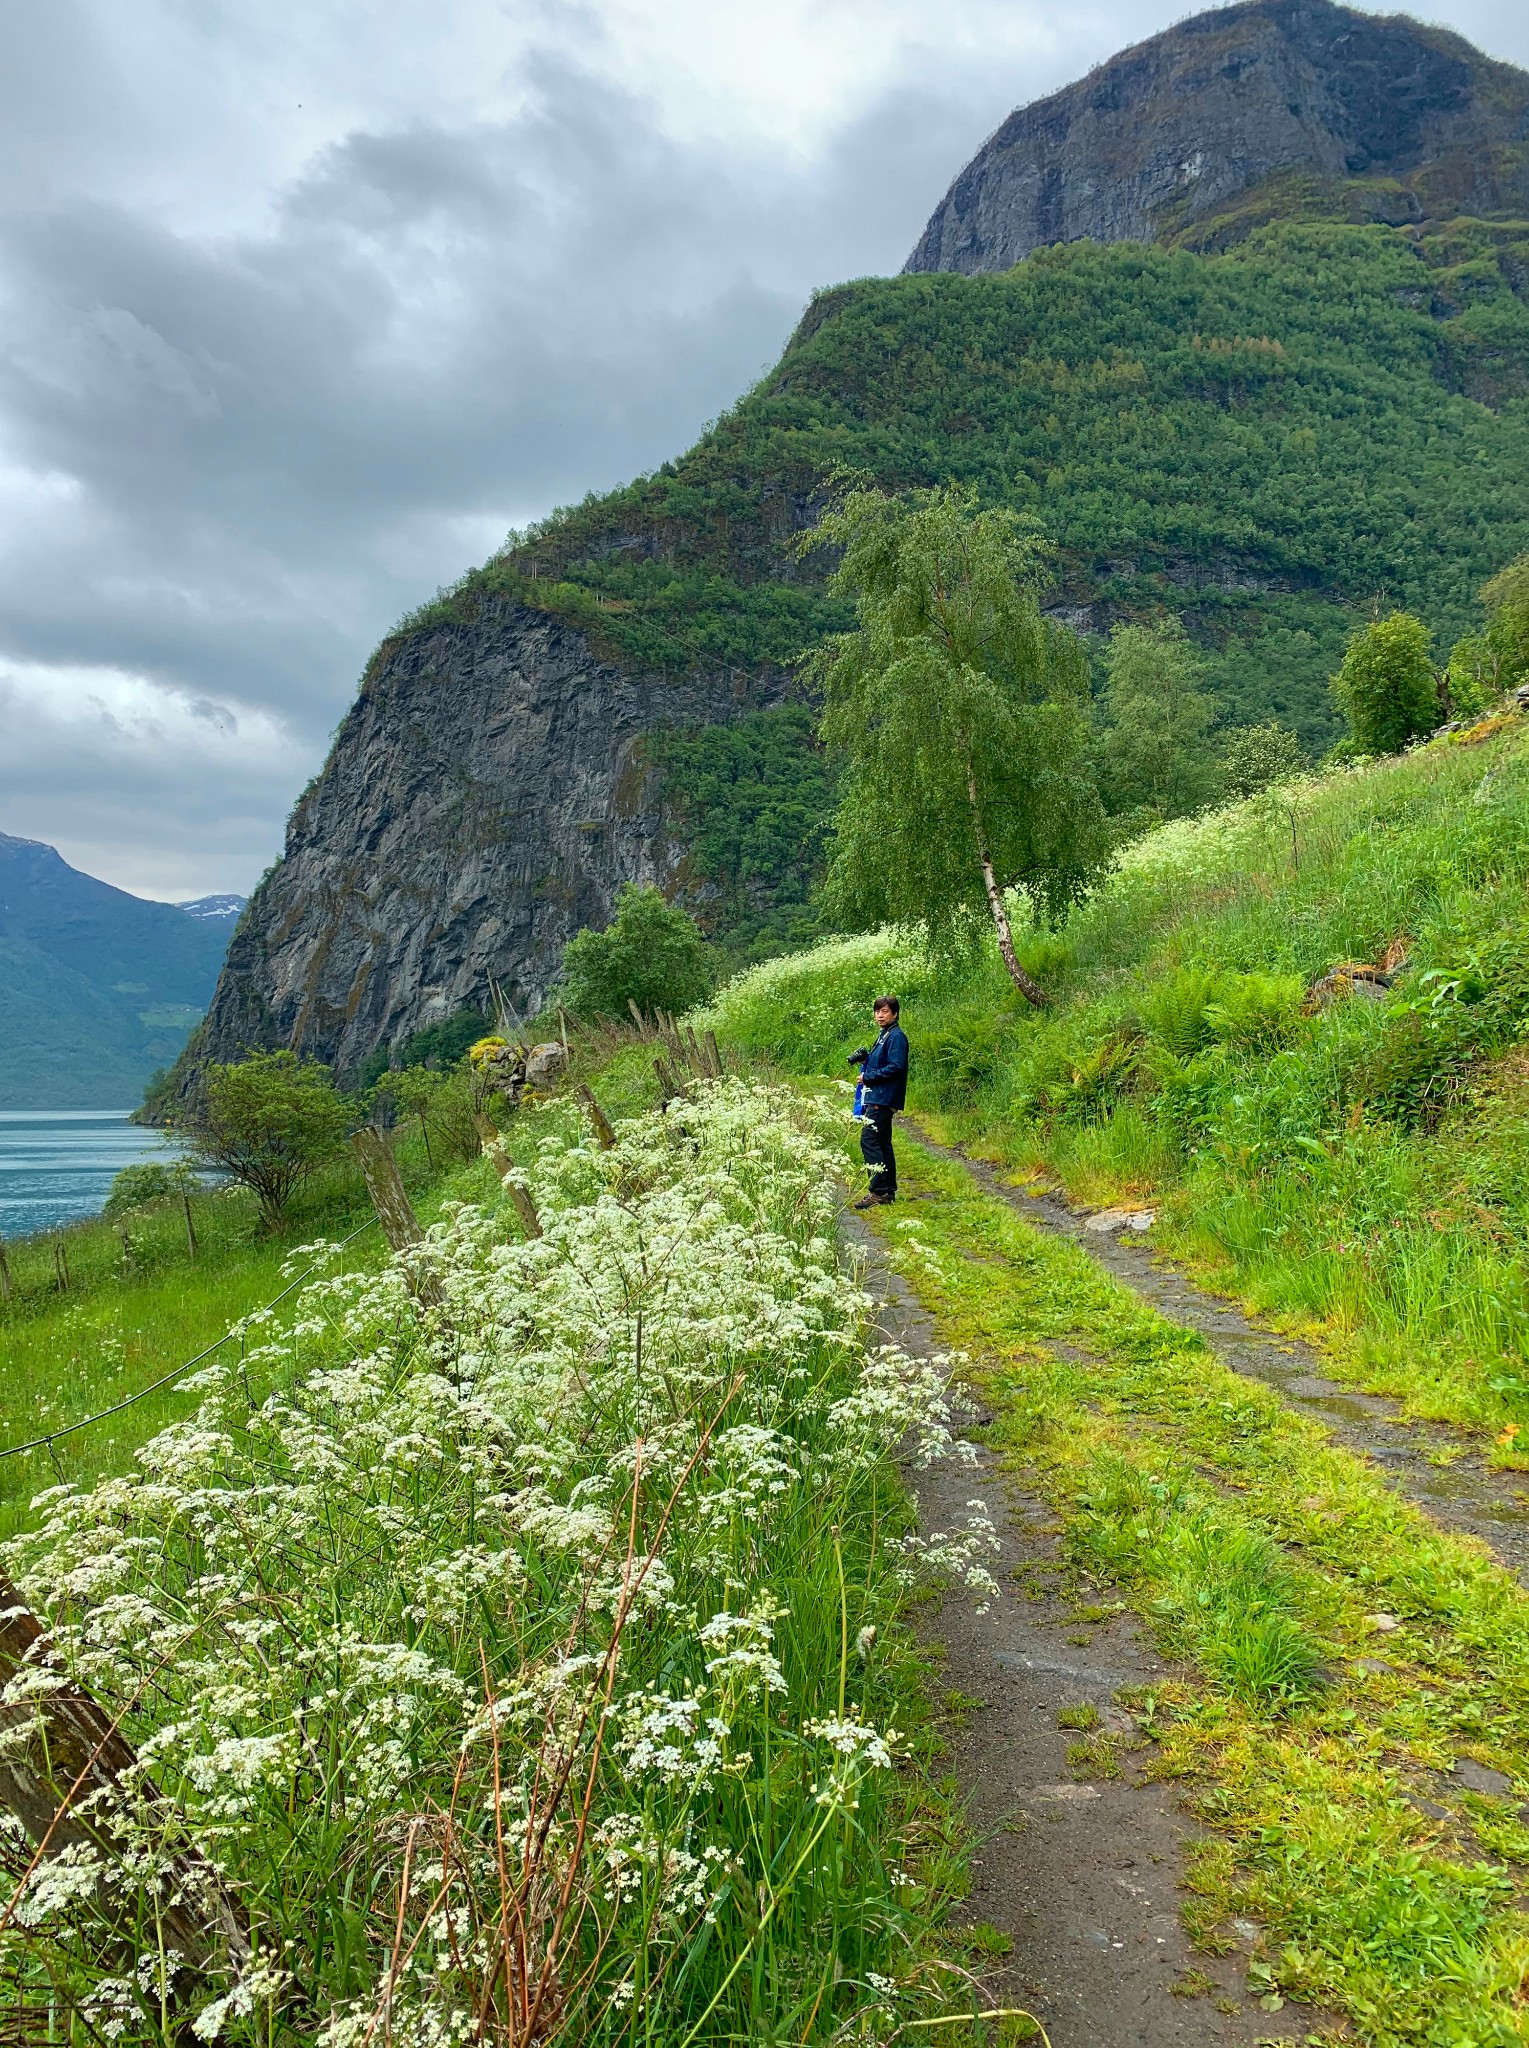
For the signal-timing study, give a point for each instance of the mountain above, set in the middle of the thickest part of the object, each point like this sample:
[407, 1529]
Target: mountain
[1266, 435]
[97, 988]
[1239, 115]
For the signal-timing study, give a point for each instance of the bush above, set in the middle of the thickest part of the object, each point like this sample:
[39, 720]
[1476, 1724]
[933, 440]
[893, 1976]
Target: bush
[651, 954]
[1256, 756]
[149, 1181]
[267, 1122]
[1387, 684]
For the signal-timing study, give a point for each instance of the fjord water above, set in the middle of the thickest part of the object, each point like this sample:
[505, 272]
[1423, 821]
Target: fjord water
[58, 1164]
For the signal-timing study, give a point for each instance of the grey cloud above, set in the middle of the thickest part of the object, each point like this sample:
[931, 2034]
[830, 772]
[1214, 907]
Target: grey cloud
[272, 443]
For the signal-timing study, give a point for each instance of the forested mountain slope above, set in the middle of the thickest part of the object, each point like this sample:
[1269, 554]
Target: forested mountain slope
[97, 987]
[1267, 438]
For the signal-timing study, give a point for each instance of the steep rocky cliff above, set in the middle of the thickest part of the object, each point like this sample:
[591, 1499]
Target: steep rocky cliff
[482, 801]
[1358, 116]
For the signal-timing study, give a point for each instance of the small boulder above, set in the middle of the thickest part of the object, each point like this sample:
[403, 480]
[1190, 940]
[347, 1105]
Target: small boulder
[546, 1066]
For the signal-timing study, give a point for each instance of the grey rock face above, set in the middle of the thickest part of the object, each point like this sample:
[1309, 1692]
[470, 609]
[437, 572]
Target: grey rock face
[1165, 134]
[483, 800]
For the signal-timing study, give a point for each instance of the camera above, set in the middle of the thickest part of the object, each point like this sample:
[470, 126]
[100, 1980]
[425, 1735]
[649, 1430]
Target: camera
[859, 1056]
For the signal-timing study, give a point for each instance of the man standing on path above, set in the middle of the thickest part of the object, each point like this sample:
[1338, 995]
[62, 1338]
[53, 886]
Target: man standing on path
[883, 1091]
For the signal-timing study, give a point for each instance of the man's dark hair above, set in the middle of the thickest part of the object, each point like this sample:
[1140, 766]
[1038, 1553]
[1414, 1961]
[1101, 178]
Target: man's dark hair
[888, 1003]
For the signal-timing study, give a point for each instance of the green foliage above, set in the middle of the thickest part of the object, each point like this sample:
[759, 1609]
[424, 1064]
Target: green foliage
[1506, 598]
[268, 1122]
[150, 1180]
[435, 1045]
[1368, 1163]
[1387, 684]
[754, 798]
[1262, 435]
[959, 709]
[1473, 676]
[445, 1105]
[650, 954]
[1154, 756]
[1261, 438]
[1254, 757]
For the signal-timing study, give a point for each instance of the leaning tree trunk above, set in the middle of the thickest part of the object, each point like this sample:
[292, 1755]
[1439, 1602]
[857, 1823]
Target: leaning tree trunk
[74, 1782]
[1027, 988]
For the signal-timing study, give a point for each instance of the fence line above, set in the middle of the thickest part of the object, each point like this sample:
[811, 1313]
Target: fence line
[40, 1443]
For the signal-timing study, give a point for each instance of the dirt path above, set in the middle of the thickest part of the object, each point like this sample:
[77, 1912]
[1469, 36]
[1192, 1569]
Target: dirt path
[1081, 1870]
[1462, 1494]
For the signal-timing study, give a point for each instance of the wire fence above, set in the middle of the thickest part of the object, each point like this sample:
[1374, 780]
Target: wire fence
[42, 1443]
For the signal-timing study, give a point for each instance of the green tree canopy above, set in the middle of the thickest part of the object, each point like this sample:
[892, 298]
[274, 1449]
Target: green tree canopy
[1254, 757]
[962, 715]
[650, 954]
[1387, 684]
[267, 1121]
[1506, 598]
[1155, 756]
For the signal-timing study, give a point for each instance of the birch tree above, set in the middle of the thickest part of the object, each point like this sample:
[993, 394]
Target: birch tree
[962, 713]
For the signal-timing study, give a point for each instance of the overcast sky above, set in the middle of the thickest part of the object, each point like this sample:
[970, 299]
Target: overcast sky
[304, 303]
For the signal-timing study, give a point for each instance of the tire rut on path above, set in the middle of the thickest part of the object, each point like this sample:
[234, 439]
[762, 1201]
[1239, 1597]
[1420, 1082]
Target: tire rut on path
[1083, 1874]
[1465, 1495]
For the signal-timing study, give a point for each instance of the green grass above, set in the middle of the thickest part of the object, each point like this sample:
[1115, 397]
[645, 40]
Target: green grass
[123, 1323]
[1257, 1550]
[1362, 1171]
[385, 1434]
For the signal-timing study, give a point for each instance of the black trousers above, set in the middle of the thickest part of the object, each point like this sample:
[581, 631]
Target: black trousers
[876, 1149]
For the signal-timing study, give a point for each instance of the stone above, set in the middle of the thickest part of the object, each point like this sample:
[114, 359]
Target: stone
[1480, 1777]
[546, 1066]
[485, 797]
[1382, 118]
[1120, 1219]
[1383, 1623]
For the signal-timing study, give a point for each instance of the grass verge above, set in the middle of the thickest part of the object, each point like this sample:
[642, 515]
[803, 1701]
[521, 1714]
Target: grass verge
[520, 1656]
[1345, 1652]
[1355, 1160]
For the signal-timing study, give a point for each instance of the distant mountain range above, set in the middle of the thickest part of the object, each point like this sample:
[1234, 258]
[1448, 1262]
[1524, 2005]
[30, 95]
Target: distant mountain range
[97, 988]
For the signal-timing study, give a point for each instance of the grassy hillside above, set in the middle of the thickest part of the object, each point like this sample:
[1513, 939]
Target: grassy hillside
[1364, 1165]
[1267, 438]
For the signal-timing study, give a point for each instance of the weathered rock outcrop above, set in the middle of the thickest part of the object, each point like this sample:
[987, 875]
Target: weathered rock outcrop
[483, 799]
[1385, 118]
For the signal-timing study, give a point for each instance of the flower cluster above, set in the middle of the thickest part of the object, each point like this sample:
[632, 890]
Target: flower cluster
[486, 1652]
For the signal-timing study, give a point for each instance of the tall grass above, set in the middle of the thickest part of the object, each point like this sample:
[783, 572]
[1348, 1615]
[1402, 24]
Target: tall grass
[525, 1666]
[1365, 1164]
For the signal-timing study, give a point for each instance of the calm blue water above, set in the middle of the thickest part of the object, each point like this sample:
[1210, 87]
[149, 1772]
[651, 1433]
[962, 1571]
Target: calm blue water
[57, 1164]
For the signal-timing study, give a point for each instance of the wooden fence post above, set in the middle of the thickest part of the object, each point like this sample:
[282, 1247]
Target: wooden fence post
[597, 1116]
[5, 1273]
[504, 1166]
[395, 1212]
[63, 1777]
[190, 1226]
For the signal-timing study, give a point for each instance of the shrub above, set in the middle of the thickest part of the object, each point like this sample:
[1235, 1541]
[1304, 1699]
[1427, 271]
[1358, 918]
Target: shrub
[1387, 684]
[267, 1122]
[1254, 757]
[1506, 598]
[149, 1181]
[651, 954]
[436, 1045]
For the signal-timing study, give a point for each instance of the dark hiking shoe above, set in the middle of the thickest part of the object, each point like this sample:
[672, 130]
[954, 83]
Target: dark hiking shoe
[868, 1201]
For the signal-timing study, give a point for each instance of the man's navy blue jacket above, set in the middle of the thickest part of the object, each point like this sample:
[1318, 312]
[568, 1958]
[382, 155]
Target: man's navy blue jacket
[885, 1073]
